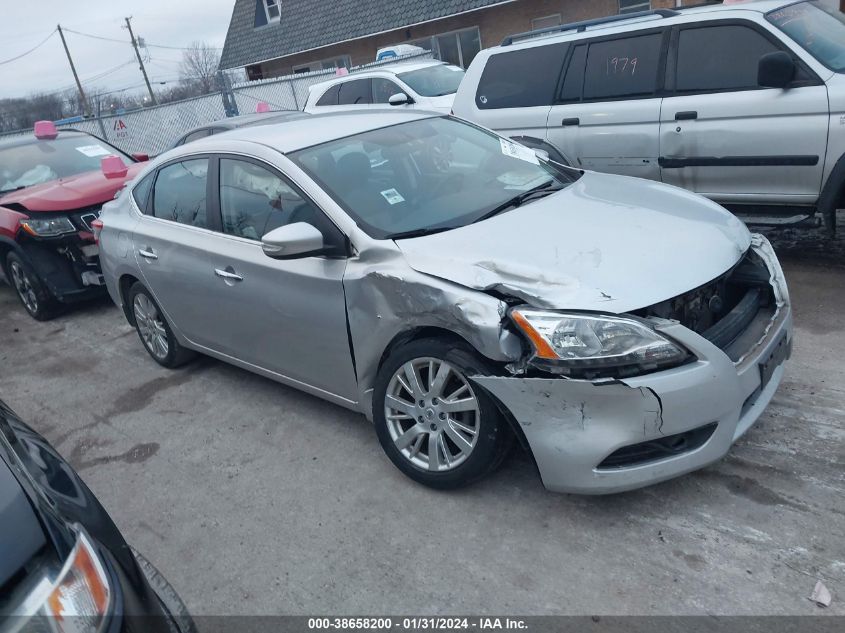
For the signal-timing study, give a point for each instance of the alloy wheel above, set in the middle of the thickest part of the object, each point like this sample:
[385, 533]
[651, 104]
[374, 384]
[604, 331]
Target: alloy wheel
[150, 326]
[24, 287]
[432, 414]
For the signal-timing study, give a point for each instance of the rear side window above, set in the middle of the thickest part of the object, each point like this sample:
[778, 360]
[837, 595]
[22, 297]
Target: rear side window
[330, 97]
[718, 58]
[521, 78]
[574, 80]
[623, 68]
[141, 192]
[179, 194]
[195, 136]
[357, 92]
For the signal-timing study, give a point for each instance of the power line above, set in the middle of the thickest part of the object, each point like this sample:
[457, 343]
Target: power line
[146, 44]
[31, 50]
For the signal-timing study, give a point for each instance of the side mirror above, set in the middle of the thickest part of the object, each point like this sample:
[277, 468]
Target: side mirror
[292, 241]
[400, 98]
[113, 167]
[141, 157]
[776, 70]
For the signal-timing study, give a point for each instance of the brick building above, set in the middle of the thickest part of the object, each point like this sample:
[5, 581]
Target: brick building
[281, 37]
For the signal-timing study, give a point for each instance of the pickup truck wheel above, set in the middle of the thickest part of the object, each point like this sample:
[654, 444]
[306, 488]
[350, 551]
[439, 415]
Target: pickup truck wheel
[34, 295]
[435, 425]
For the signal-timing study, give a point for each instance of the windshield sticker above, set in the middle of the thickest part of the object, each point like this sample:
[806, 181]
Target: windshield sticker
[93, 150]
[515, 150]
[392, 196]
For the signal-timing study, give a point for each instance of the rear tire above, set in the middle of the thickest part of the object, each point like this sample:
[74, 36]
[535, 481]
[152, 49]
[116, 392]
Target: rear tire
[33, 294]
[154, 330]
[435, 425]
[167, 595]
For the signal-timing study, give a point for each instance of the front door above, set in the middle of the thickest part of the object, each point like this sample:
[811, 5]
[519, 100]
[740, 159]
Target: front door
[725, 137]
[284, 316]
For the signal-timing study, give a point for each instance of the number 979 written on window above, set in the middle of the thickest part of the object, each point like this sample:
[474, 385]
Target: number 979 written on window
[621, 66]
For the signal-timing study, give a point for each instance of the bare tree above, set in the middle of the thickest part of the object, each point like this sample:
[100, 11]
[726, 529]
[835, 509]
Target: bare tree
[199, 66]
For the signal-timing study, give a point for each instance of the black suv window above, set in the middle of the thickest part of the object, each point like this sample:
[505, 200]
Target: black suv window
[574, 80]
[357, 92]
[625, 67]
[521, 78]
[714, 58]
[329, 98]
[179, 194]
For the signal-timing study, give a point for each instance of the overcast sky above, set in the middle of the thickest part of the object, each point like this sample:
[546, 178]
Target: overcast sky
[25, 23]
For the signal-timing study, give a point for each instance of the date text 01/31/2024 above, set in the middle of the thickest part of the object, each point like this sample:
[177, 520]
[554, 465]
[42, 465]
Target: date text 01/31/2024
[417, 623]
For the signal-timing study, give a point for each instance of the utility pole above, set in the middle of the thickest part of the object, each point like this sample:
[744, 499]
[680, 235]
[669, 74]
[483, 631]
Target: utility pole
[140, 61]
[85, 110]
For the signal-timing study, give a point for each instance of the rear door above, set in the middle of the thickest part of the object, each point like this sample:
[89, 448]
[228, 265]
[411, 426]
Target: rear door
[516, 90]
[607, 111]
[723, 136]
[171, 244]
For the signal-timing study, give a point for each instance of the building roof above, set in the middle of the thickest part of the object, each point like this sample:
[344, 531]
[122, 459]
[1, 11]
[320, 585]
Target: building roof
[309, 24]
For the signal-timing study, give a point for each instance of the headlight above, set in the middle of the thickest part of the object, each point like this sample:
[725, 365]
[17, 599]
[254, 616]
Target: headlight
[77, 600]
[593, 342]
[50, 227]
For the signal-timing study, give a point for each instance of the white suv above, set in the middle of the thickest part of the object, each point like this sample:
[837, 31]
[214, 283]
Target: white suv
[426, 85]
[743, 103]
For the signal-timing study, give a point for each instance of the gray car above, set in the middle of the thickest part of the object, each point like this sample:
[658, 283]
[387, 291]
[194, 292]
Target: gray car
[461, 292]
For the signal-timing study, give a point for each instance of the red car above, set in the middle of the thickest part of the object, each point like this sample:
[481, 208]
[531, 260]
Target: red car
[52, 186]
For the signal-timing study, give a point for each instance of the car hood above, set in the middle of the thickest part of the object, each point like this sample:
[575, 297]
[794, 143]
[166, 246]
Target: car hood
[21, 537]
[606, 243]
[67, 194]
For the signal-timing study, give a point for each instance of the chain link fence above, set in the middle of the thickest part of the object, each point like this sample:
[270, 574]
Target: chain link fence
[153, 130]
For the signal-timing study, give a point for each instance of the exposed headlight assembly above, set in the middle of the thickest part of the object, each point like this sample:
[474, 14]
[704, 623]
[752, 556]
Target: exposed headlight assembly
[77, 599]
[48, 227]
[567, 342]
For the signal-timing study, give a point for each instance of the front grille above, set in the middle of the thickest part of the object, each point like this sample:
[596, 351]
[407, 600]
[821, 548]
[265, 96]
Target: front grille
[654, 450]
[83, 217]
[725, 309]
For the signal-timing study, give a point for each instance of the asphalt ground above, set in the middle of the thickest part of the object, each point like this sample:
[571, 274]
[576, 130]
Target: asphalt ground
[254, 498]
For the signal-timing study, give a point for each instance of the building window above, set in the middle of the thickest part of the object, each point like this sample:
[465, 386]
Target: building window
[458, 48]
[273, 10]
[343, 61]
[632, 6]
[545, 22]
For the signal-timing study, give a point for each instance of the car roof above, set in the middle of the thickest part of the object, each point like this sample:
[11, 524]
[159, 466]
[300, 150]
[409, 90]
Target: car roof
[391, 69]
[645, 19]
[29, 139]
[293, 135]
[243, 120]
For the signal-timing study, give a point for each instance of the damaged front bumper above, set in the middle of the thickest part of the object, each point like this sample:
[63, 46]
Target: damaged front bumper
[69, 266]
[605, 436]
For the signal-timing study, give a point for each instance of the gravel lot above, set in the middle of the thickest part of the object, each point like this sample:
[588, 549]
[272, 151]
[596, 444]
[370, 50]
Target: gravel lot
[253, 498]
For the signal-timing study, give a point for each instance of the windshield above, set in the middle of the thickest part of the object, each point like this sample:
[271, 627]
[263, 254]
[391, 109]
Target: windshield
[43, 161]
[428, 175]
[818, 27]
[434, 81]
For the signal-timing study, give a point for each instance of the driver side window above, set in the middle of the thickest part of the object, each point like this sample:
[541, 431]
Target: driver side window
[255, 200]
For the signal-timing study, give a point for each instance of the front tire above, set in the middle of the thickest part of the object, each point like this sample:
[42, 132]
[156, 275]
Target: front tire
[435, 425]
[182, 620]
[38, 301]
[153, 329]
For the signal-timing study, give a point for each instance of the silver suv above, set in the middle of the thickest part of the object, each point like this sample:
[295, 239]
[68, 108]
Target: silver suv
[742, 103]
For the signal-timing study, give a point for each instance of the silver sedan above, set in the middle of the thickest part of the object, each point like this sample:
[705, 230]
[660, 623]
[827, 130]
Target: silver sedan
[461, 291]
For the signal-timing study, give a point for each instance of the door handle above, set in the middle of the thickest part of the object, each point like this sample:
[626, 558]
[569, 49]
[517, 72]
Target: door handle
[689, 115]
[225, 274]
[147, 253]
[572, 121]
